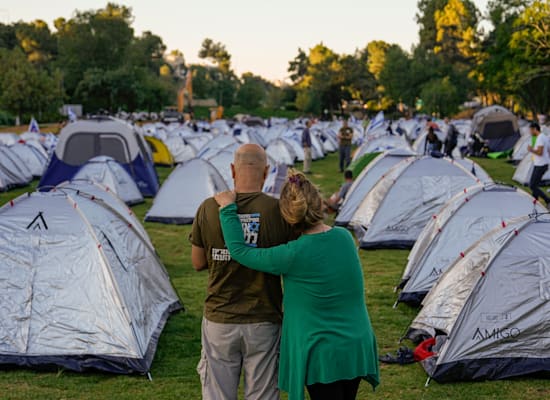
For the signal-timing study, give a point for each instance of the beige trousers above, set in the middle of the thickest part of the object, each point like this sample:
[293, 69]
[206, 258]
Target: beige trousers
[307, 159]
[229, 348]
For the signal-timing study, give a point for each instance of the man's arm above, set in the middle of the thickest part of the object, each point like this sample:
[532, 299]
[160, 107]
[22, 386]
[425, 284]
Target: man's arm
[198, 258]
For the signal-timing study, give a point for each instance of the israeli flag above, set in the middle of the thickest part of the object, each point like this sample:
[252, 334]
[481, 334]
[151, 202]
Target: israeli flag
[71, 115]
[376, 122]
[33, 126]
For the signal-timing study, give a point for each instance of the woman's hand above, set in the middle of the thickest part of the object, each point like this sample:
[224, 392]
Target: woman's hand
[225, 198]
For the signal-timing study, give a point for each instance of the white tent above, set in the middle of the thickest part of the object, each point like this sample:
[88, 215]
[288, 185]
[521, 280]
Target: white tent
[460, 223]
[80, 288]
[108, 172]
[13, 170]
[34, 159]
[366, 180]
[397, 208]
[184, 190]
[524, 170]
[489, 311]
[280, 151]
[382, 143]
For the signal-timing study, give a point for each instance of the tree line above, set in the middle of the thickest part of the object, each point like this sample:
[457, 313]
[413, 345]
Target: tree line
[96, 59]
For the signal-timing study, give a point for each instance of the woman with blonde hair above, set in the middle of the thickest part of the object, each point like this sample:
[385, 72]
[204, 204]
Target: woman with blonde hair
[327, 342]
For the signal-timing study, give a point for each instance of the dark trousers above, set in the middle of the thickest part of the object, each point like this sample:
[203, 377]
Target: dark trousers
[339, 390]
[345, 156]
[536, 178]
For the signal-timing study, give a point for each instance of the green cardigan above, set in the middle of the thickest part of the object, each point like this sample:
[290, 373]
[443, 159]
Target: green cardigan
[327, 335]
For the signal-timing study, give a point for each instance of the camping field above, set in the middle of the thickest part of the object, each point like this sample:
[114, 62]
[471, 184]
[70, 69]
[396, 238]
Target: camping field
[173, 370]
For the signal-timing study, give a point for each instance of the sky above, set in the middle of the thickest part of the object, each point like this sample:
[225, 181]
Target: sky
[262, 36]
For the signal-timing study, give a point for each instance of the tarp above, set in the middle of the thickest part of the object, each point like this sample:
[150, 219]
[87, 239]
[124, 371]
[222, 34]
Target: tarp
[80, 289]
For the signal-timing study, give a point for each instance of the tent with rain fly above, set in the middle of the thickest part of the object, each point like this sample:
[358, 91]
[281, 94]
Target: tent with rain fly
[80, 289]
[397, 208]
[184, 190]
[489, 311]
[13, 170]
[366, 180]
[460, 223]
[524, 170]
[108, 172]
[498, 126]
[85, 139]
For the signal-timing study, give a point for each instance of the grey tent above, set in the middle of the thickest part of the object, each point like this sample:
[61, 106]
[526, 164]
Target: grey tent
[460, 223]
[222, 161]
[366, 181]
[275, 179]
[181, 194]
[95, 190]
[80, 288]
[32, 157]
[382, 143]
[281, 151]
[13, 171]
[108, 172]
[397, 208]
[475, 169]
[489, 311]
[498, 126]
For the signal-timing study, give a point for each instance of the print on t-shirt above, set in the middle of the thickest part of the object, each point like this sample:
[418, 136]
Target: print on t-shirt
[251, 228]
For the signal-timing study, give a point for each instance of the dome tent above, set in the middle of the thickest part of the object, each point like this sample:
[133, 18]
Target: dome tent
[184, 190]
[92, 294]
[108, 172]
[489, 311]
[397, 208]
[33, 158]
[461, 222]
[84, 139]
[366, 180]
[498, 126]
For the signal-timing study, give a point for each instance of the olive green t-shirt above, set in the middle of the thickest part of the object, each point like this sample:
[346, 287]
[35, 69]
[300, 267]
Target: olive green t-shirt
[346, 135]
[236, 294]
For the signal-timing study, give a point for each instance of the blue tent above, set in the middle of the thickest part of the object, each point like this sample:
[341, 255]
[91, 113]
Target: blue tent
[85, 139]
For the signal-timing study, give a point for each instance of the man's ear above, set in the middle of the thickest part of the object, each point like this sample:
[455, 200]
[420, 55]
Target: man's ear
[266, 171]
[232, 171]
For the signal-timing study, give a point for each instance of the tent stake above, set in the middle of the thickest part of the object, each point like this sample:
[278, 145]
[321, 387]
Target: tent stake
[427, 382]
[149, 376]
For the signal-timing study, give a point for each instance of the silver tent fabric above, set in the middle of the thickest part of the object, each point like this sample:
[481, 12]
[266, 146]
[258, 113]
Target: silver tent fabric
[96, 190]
[280, 151]
[491, 307]
[180, 150]
[217, 144]
[33, 158]
[222, 161]
[366, 180]
[460, 223]
[397, 208]
[79, 288]
[275, 179]
[14, 168]
[108, 172]
[475, 169]
[181, 194]
[382, 143]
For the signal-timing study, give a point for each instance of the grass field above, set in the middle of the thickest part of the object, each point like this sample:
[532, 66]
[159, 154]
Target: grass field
[173, 369]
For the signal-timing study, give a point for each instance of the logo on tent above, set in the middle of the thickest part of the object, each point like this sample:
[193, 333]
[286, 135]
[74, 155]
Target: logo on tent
[38, 223]
[436, 272]
[496, 334]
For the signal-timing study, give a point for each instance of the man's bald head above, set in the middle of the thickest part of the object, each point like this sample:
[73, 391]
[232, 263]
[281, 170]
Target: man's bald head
[249, 168]
[251, 156]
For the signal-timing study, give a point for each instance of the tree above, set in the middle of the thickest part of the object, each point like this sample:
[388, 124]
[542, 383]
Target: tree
[36, 40]
[425, 18]
[440, 96]
[298, 66]
[25, 89]
[252, 91]
[396, 78]
[217, 53]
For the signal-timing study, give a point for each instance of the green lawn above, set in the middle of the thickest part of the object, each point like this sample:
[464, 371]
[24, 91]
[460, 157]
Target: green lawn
[173, 369]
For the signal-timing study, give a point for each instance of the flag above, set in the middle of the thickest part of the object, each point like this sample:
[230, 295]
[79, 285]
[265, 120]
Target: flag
[33, 126]
[71, 115]
[376, 122]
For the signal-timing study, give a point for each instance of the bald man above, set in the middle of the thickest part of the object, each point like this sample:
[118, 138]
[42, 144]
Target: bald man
[242, 311]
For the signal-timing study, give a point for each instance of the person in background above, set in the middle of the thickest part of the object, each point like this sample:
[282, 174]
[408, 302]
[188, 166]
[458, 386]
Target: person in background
[541, 159]
[432, 144]
[306, 144]
[327, 343]
[451, 140]
[242, 311]
[337, 198]
[345, 136]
